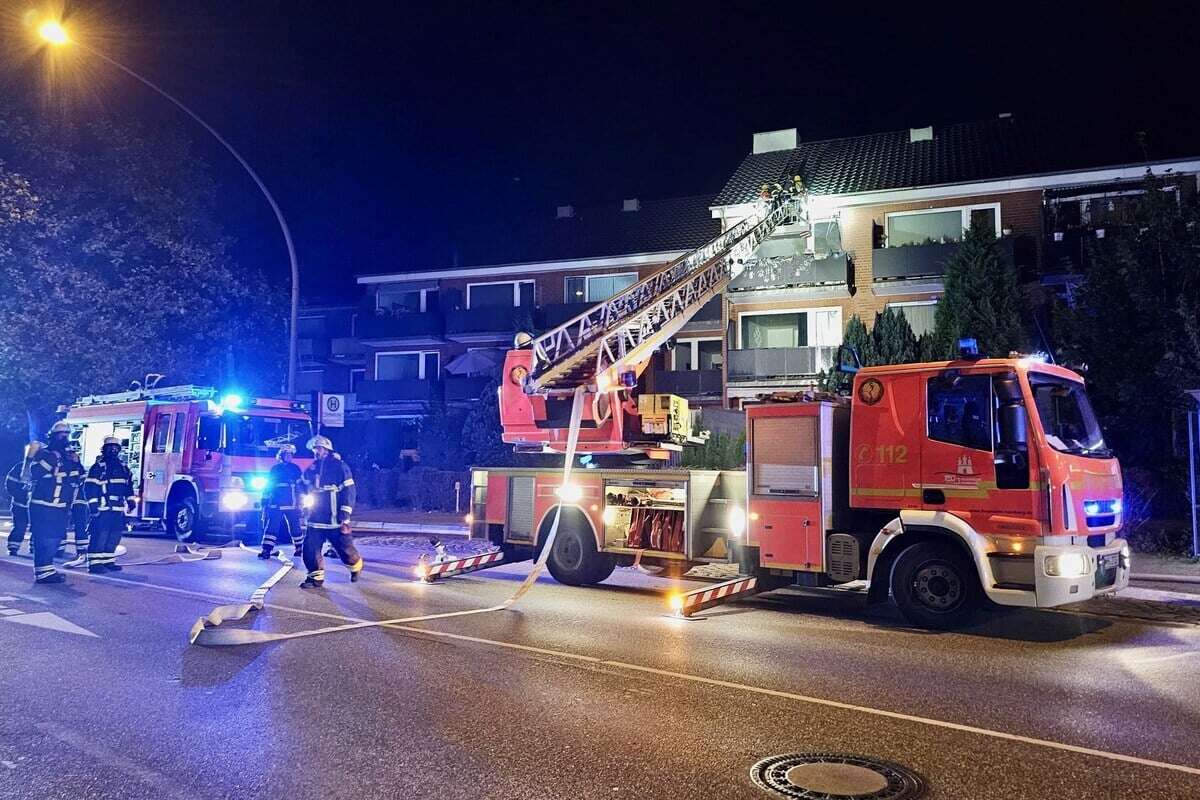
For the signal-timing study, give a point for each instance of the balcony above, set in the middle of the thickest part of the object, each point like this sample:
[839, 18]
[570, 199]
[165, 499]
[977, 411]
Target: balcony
[779, 363]
[926, 261]
[465, 388]
[397, 391]
[312, 349]
[689, 383]
[346, 348]
[708, 318]
[556, 314]
[488, 323]
[798, 271]
[415, 328]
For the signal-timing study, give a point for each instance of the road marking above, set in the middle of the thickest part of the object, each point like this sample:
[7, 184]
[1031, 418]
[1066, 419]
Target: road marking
[761, 690]
[44, 619]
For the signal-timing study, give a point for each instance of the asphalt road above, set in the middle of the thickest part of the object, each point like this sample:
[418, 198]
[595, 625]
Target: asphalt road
[574, 693]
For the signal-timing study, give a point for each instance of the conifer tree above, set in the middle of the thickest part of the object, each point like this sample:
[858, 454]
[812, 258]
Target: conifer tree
[982, 299]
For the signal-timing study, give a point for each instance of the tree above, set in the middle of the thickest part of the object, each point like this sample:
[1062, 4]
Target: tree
[982, 298]
[481, 432]
[893, 339]
[1134, 323]
[721, 451]
[440, 441]
[111, 238]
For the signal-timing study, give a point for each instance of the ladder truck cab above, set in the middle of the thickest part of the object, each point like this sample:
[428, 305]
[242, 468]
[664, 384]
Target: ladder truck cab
[940, 485]
[198, 461]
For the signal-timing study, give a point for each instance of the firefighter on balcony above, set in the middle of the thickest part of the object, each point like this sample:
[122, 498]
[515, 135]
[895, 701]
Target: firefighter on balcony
[18, 490]
[330, 502]
[109, 492]
[281, 502]
[53, 481]
[80, 517]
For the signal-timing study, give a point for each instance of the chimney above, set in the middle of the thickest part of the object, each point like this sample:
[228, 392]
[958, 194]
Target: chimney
[770, 141]
[632, 204]
[565, 212]
[920, 134]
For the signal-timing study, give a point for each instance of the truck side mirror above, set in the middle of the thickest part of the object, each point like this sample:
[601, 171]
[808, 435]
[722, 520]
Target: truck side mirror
[1013, 424]
[848, 361]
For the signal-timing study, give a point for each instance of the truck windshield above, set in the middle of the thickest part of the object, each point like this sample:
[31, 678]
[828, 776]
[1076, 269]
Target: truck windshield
[1067, 417]
[260, 436]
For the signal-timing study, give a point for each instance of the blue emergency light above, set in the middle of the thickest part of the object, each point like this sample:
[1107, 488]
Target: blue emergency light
[968, 347]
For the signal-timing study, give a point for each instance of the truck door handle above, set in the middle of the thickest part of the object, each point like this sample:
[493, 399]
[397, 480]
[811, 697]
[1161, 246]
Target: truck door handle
[933, 496]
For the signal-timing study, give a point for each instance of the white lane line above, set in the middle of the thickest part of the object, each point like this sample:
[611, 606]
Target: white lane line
[879, 712]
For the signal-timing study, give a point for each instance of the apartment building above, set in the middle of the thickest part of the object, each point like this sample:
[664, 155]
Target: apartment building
[887, 211]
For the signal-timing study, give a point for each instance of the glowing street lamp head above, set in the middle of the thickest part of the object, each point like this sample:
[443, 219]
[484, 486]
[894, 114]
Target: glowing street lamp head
[53, 32]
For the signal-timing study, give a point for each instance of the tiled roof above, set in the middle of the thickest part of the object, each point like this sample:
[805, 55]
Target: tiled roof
[596, 231]
[998, 148]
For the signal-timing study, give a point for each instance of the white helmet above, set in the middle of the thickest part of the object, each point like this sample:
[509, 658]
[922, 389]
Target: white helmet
[320, 441]
[285, 448]
[111, 440]
[60, 427]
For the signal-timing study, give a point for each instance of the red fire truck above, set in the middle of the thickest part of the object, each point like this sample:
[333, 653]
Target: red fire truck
[199, 461]
[936, 484]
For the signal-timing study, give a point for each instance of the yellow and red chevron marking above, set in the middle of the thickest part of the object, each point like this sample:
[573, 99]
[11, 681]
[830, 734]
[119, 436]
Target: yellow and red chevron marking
[700, 599]
[446, 568]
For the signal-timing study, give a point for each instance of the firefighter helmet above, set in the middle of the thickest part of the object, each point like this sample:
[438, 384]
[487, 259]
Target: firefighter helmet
[285, 448]
[320, 441]
[60, 427]
[111, 440]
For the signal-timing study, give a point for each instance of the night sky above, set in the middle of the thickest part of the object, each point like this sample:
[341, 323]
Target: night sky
[387, 129]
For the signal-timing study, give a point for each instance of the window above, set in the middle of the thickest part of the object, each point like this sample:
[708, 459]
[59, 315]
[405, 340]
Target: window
[508, 294]
[210, 433]
[310, 327]
[401, 299]
[938, 226]
[596, 288]
[698, 354]
[818, 327]
[177, 433]
[162, 427]
[356, 376]
[826, 238]
[919, 315]
[1066, 415]
[774, 330]
[785, 456]
[421, 365]
[250, 435]
[960, 410]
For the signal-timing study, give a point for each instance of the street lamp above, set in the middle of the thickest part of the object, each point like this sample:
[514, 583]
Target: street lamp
[55, 34]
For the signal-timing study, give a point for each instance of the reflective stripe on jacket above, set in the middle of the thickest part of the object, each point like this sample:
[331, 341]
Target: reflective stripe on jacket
[331, 487]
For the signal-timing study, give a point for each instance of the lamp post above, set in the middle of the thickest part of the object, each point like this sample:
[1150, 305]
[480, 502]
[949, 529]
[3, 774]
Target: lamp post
[56, 35]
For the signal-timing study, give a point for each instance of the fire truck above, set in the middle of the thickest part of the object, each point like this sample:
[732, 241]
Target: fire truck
[942, 486]
[199, 461]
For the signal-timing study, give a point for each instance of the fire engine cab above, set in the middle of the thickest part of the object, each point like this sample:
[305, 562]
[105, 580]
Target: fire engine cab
[198, 460]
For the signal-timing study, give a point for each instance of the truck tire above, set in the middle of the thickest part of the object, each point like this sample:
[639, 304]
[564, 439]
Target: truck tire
[935, 586]
[574, 560]
[182, 518]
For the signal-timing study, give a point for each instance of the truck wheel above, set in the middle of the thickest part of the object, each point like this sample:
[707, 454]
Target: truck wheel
[181, 519]
[574, 560]
[935, 586]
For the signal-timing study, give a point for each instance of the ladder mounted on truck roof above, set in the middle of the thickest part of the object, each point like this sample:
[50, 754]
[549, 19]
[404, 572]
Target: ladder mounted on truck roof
[625, 329]
[164, 394]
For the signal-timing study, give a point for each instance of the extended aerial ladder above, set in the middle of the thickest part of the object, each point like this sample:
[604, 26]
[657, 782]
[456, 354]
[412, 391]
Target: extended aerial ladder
[606, 348]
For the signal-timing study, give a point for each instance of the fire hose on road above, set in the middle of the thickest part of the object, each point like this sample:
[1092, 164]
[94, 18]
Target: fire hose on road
[210, 631]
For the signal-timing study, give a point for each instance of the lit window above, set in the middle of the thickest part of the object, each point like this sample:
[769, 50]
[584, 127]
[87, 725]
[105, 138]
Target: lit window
[596, 288]
[919, 315]
[938, 226]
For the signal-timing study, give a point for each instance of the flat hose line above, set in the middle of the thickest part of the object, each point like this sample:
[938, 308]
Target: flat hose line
[209, 630]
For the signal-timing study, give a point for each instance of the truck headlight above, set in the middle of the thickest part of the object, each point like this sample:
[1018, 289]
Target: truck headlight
[737, 520]
[307, 501]
[234, 500]
[1067, 565]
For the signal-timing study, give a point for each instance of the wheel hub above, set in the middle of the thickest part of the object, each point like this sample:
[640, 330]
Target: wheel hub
[938, 587]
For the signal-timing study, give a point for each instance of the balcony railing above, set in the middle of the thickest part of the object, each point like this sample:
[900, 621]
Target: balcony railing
[556, 314]
[489, 319]
[767, 363]
[397, 391]
[793, 272]
[689, 382]
[923, 260]
[346, 347]
[416, 325]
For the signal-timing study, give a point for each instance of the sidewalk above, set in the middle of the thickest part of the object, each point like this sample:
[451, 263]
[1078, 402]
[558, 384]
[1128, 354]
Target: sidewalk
[393, 520]
[1167, 573]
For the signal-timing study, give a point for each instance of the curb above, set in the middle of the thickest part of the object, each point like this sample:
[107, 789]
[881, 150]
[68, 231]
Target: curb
[1166, 578]
[411, 527]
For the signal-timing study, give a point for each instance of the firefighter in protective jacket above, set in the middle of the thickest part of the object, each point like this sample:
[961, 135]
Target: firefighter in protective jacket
[281, 502]
[18, 490]
[53, 480]
[80, 517]
[330, 502]
[109, 492]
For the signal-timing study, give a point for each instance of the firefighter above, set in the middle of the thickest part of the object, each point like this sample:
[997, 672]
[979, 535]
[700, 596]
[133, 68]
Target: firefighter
[281, 502]
[53, 480]
[330, 502]
[109, 491]
[18, 490]
[79, 506]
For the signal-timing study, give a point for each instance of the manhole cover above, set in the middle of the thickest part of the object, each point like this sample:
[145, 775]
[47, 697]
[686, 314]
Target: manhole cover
[835, 776]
